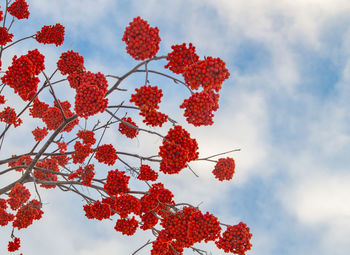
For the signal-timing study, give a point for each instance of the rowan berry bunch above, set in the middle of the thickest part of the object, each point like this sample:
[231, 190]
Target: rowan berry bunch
[65, 151]
[86, 174]
[14, 245]
[24, 160]
[51, 35]
[177, 150]
[181, 57]
[126, 204]
[117, 183]
[97, 211]
[128, 127]
[235, 239]
[9, 116]
[209, 73]
[70, 62]
[50, 164]
[106, 154]
[127, 226]
[142, 40]
[224, 169]
[40, 133]
[19, 9]
[147, 174]
[200, 106]
[81, 152]
[87, 136]
[5, 36]
[21, 75]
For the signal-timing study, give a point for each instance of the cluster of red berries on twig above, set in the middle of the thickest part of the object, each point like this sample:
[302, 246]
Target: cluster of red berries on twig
[117, 182]
[50, 164]
[147, 99]
[177, 150]
[22, 74]
[142, 40]
[128, 128]
[19, 9]
[235, 239]
[147, 173]
[9, 116]
[5, 36]
[200, 106]
[51, 35]
[224, 169]
[70, 62]
[106, 154]
[40, 133]
[86, 174]
[81, 152]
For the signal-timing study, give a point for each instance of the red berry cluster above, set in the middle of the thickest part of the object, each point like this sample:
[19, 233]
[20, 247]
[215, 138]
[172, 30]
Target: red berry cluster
[24, 160]
[48, 164]
[70, 62]
[117, 182]
[147, 99]
[62, 146]
[38, 109]
[5, 36]
[27, 214]
[147, 174]
[14, 245]
[81, 152]
[87, 136]
[62, 159]
[21, 75]
[9, 116]
[149, 220]
[40, 133]
[159, 248]
[180, 57]
[5, 217]
[200, 106]
[89, 100]
[19, 9]
[156, 199]
[127, 226]
[209, 73]
[106, 154]
[97, 210]
[177, 150]
[85, 173]
[235, 239]
[51, 35]
[126, 204]
[2, 99]
[154, 118]
[126, 129]
[189, 226]
[1, 15]
[18, 196]
[81, 77]
[224, 169]
[142, 41]
[111, 202]
[53, 117]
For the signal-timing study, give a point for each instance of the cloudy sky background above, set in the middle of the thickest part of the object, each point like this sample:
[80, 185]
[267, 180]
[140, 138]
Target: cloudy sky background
[285, 105]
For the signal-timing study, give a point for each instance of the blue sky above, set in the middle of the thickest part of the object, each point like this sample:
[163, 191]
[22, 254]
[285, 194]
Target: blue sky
[285, 105]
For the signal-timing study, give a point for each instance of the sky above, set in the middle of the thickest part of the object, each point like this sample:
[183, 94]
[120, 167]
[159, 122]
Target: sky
[285, 106]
